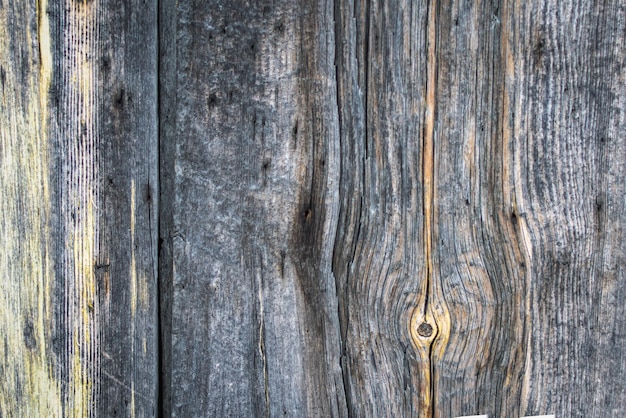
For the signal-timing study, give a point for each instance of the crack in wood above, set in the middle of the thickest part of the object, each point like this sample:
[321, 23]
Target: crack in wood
[429, 325]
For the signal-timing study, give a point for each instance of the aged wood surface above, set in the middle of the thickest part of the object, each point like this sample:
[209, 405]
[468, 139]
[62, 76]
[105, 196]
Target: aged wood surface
[313, 208]
[26, 310]
[472, 191]
[254, 325]
[79, 208]
[564, 128]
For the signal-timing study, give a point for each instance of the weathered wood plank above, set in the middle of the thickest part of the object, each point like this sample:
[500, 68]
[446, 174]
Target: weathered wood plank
[128, 219]
[481, 251]
[530, 149]
[380, 248]
[483, 160]
[79, 166]
[254, 328]
[567, 159]
[29, 386]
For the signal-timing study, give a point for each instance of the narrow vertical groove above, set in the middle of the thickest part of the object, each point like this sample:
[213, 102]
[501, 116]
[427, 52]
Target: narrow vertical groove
[262, 349]
[160, 330]
[428, 146]
[165, 43]
[365, 85]
[157, 196]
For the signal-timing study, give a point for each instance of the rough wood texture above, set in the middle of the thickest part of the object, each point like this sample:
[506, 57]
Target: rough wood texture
[353, 207]
[28, 388]
[254, 326]
[79, 223]
[476, 182]
[564, 121]
[128, 178]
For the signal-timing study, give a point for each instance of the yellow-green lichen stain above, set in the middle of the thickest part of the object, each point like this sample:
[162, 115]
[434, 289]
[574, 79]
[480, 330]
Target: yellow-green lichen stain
[30, 386]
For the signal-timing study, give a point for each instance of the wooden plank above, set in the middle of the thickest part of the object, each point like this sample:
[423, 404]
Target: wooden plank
[529, 149]
[565, 114]
[128, 219]
[380, 255]
[507, 328]
[481, 253]
[481, 250]
[29, 387]
[254, 327]
[79, 161]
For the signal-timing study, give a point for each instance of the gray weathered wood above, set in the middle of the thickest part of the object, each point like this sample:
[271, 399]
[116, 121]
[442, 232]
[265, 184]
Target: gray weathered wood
[254, 326]
[475, 170]
[128, 176]
[79, 216]
[564, 128]
[312, 208]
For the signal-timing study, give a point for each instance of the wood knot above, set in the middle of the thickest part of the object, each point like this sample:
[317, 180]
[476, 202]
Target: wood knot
[425, 330]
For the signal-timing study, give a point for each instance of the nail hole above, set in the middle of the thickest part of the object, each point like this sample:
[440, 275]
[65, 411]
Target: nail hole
[147, 193]
[29, 335]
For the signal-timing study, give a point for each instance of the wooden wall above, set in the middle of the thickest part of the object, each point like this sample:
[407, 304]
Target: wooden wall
[312, 208]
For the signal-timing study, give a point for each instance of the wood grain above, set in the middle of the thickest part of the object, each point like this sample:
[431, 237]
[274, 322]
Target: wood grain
[26, 307]
[254, 327]
[483, 157]
[79, 168]
[567, 152]
[312, 208]
[472, 173]
[127, 172]
[380, 256]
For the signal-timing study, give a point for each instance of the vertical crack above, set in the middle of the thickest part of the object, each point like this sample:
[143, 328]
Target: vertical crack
[366, 60]
[165, 150]
[428, 177]
[428, 156]
[424, 328]
[342, 294]
[159, 328]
